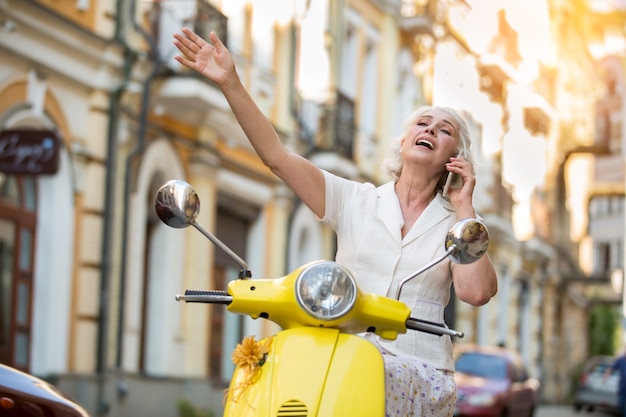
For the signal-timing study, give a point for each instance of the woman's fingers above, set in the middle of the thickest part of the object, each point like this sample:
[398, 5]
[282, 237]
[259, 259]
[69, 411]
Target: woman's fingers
[216, 41]
[185, 41]
[461, 167]
[190, 44]
[183, 48]
[193, 37]
[211, 59]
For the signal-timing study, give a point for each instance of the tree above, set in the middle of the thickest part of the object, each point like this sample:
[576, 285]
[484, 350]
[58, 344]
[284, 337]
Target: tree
[603, 326]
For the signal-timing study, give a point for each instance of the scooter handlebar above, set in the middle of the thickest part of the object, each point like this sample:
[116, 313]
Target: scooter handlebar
[432, 328]
[222, 297]
[210, 297]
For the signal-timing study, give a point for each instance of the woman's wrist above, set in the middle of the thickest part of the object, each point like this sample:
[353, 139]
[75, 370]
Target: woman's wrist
[231, 84]
[466, 212]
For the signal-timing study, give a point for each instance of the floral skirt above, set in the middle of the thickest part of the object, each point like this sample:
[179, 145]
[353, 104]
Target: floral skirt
[415, 388]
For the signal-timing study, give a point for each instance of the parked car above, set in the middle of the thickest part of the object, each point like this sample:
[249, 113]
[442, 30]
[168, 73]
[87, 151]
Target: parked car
[24, 395]
[493, 382]
[593, 391]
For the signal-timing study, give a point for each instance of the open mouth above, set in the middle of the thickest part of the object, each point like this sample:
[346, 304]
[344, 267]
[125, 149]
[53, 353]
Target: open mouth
[426, 143]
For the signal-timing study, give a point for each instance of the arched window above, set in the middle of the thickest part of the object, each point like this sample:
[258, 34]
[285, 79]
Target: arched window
[18, 207]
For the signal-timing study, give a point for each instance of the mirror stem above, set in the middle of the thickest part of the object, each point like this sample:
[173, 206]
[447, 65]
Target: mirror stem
[451, 249]
[245, 272]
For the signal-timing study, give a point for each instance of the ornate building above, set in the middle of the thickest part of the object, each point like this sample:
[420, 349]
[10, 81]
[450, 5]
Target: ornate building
[89, 273]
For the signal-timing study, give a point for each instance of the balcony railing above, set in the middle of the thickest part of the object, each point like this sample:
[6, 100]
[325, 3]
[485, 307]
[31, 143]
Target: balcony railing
[208, 19]
[167, 17]
[415, 16]
[336, 130]
[334, 125]
[344, 127]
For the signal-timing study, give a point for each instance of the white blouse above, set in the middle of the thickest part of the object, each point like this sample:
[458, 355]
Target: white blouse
[368, 223]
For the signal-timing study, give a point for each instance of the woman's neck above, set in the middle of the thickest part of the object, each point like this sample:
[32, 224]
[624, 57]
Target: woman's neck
[413, 198]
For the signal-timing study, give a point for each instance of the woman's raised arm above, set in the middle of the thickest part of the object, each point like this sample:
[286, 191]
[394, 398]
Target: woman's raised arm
[214, 61]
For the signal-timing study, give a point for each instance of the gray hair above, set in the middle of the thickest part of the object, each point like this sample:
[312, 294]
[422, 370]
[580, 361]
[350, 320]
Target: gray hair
[393, 163]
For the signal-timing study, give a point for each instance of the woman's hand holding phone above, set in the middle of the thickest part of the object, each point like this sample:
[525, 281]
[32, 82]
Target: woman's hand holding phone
[449, 181]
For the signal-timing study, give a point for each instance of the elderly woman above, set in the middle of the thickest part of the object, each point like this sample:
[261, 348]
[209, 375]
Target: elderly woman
[384, 233]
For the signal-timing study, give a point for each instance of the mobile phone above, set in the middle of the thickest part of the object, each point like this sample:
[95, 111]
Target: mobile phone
[449, 180]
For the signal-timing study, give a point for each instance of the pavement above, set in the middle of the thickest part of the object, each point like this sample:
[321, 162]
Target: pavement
[567, 411]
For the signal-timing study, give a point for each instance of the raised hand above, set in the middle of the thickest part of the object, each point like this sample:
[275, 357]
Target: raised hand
[212, 60]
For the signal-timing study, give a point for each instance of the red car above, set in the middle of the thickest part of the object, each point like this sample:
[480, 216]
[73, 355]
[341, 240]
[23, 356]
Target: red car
[23, 395]
[493, 382]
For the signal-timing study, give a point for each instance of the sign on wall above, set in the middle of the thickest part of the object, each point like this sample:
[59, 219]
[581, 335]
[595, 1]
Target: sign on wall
[29, 151]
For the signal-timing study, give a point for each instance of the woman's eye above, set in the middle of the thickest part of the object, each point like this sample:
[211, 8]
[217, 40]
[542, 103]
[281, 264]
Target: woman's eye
[446, 131]
[422, 124]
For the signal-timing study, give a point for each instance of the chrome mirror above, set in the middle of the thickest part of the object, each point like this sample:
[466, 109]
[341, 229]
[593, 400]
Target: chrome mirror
[470, 237]
[177, 204]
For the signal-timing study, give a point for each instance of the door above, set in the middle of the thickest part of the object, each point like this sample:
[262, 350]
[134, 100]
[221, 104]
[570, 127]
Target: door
[17, 237]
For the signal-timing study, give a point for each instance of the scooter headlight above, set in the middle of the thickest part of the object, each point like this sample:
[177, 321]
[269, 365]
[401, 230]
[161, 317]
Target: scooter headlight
[326, 290]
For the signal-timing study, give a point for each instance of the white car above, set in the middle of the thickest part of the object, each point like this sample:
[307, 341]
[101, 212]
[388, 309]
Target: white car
[594, 390]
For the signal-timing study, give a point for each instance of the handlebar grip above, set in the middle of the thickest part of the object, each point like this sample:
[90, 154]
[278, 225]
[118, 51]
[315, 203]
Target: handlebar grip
[210, 297]
[438, 329]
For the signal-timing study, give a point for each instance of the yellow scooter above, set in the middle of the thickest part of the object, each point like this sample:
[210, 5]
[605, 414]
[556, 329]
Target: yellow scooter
[316, 365]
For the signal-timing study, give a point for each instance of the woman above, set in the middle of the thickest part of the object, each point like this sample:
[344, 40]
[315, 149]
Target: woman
[384, 234]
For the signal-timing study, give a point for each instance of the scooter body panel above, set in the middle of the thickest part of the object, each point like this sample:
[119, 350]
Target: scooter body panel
[355, 385]
[312, 372]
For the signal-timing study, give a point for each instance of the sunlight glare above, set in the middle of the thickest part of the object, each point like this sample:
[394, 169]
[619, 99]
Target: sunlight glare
[313, 76]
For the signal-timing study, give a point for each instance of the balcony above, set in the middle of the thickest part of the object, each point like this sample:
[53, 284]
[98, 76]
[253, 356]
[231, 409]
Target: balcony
[538, 114]
[344, 129]
[166, 17]
[495, 71]
[337, 128]
[208, 19]
[187, 97]
[182, 94]
[499, 64]
[415, 17]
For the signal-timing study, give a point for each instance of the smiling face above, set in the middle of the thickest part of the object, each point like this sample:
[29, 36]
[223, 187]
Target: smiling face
[451, 137]
[434, 135]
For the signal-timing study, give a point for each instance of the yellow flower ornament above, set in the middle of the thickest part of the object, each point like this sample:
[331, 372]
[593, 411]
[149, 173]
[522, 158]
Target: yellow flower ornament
[249, 356]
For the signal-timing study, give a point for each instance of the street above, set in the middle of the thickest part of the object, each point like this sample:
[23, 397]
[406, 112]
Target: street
[566, 411]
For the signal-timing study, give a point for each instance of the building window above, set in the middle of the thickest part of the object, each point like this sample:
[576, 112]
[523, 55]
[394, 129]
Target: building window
[17, 236]
[603, 257]
[349, 61]
[615, 134]
[233, 223]
[263, 37]
[345, 128]
[370, 101]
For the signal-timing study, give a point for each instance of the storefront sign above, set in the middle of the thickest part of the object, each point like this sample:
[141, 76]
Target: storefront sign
[29, 152]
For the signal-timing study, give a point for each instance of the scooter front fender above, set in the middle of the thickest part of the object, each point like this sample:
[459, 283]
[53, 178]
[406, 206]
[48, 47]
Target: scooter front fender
[312, 372]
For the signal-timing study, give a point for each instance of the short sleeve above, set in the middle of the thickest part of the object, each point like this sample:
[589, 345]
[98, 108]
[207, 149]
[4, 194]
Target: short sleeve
[340, 193]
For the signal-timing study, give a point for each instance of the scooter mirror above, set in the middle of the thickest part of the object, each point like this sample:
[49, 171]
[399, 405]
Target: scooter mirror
[177, 204]
[466, 242]
[471, 239]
